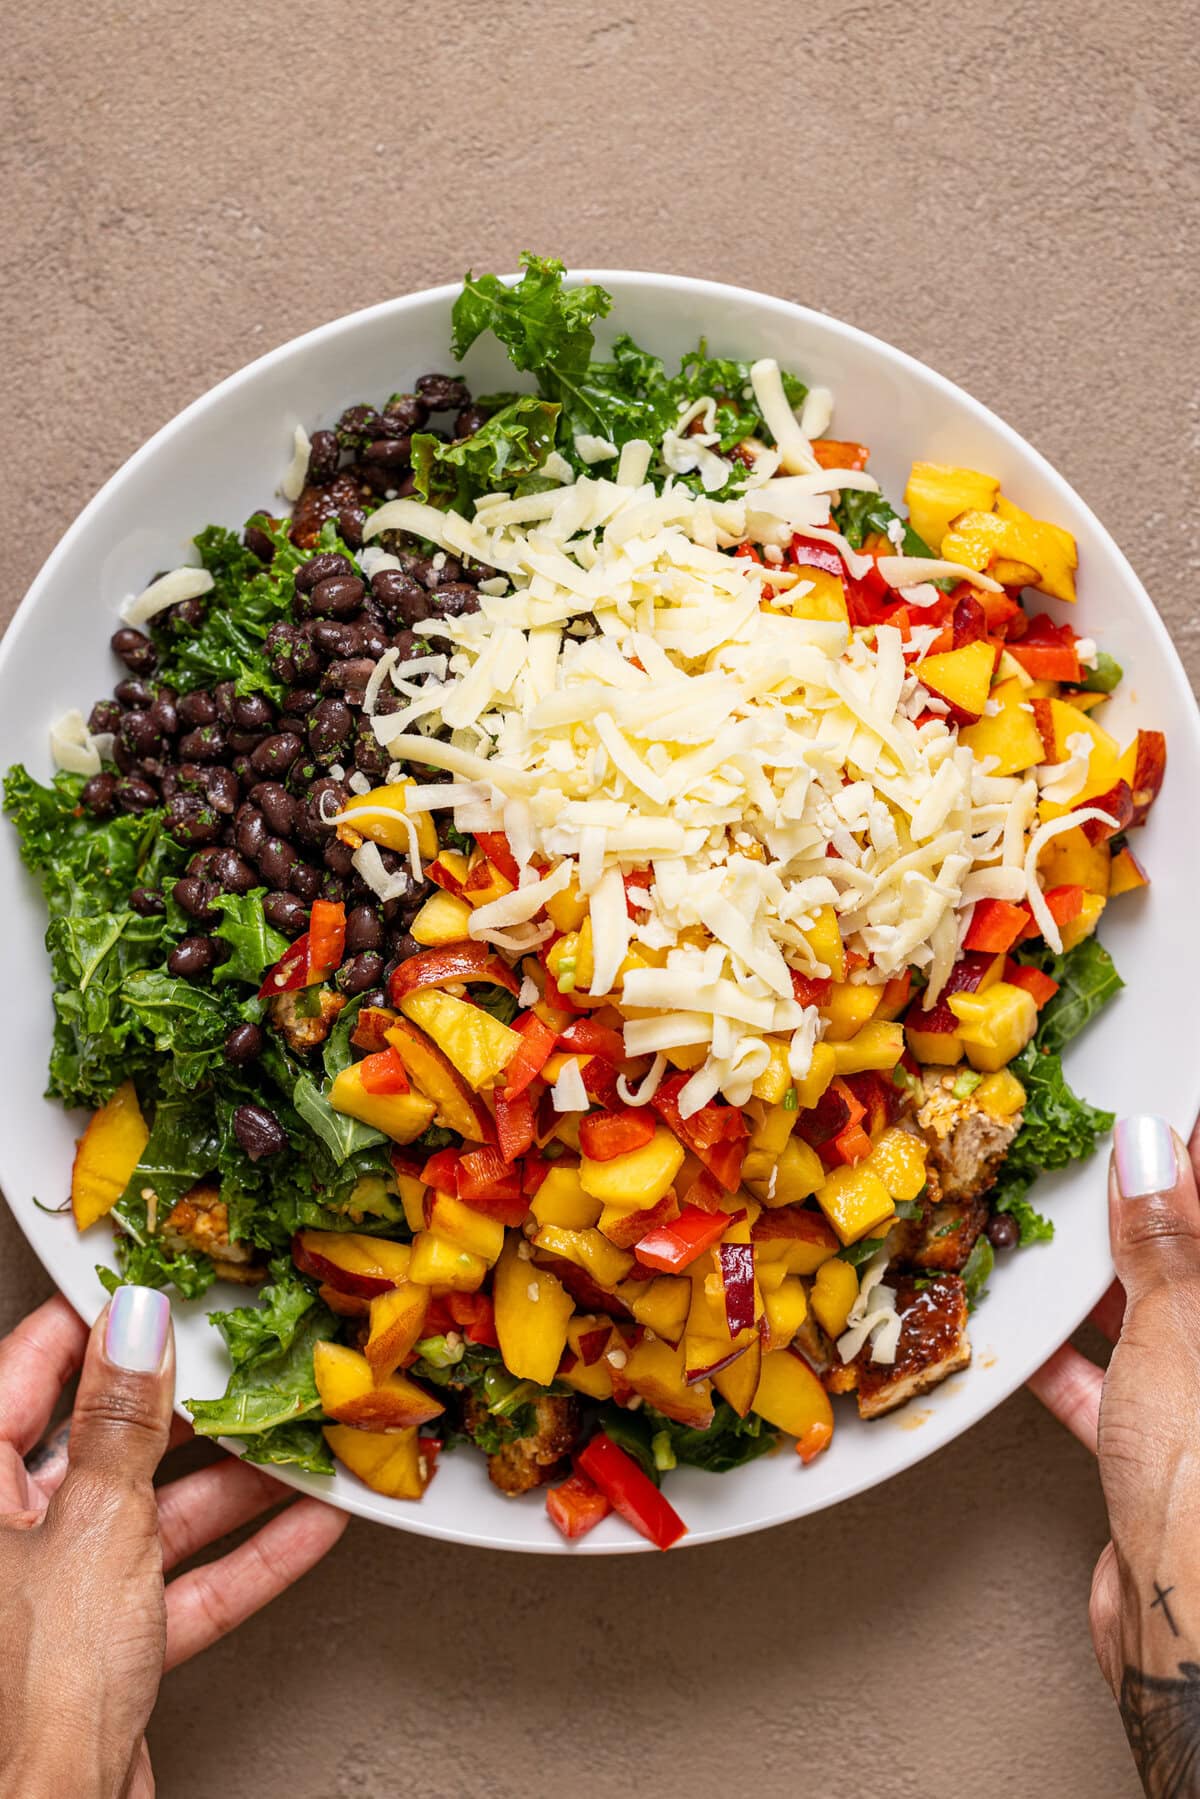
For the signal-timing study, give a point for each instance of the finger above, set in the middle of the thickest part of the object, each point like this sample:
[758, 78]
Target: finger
[206, 1603]
[1109, 1315]
[122, 1413]
[1068, 1385]
[194, 1511]
[1154, 1212]
[36, 1362]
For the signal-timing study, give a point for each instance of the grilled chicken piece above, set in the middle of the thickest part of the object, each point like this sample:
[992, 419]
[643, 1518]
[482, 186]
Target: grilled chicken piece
[200, 1222]
[944, 1234]
[933, 1343]
[967, 1145]
[529, 1462]
[301, 1031]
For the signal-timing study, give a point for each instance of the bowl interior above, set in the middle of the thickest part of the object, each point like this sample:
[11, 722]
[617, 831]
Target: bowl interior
[222, 458]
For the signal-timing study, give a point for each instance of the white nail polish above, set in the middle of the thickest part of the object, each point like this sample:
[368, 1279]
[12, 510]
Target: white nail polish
[1144, 1151]
[135, 1337]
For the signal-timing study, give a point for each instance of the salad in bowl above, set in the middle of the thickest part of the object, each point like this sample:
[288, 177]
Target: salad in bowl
[578, 908]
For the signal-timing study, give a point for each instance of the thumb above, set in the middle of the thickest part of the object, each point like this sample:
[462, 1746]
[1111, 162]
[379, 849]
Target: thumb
[1154, 1211]
[122, 1412]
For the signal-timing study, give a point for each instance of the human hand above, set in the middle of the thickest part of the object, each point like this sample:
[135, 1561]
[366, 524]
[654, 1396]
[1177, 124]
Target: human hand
[1141, 1418]
[86, 1539]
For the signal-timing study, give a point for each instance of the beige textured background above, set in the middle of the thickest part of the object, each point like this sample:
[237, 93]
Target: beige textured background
[1001, 188]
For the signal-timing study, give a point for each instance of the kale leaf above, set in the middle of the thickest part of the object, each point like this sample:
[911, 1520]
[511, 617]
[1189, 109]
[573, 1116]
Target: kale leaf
[512, 445]
[1087, 980]
[546, 328]
[272, 1383]
[255, 945]
[1058, 1128]
[247, 598]
[977, 1270]
[729, 1442]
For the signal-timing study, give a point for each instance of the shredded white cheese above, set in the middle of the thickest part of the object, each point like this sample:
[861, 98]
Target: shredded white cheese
[292, 484]
[169, 590]
[72, 745]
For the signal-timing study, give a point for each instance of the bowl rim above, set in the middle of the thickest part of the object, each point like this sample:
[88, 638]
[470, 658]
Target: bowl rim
[1019, 1364]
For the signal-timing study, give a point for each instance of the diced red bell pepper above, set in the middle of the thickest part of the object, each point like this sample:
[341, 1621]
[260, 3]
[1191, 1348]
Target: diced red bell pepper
[832, 454]
[441, 1171]
[879, 1096]
[849, 1146]
[748, 552]
[437, 1317]
[1064, 904]
[451, 962]
[589, 1038]
[539, 1041]
[488, 1184]
[638, 880]
[371, 1028]
[383, 1072]
[1047, 651]
[326, 938]
[475, 1316]
[289, 973]
[498, 850]
[869, 599]
[630, 1492]
[716, 1134]
[514, 1124]
[897, 990]
[576, 1506]
[600, 1081]
[675, 1246]
[808, 991]
[1000, 611]
[534, 1170]
[1034, 981]
[969, 622]
[562, 1002]
[603, 1135]
[996, 925]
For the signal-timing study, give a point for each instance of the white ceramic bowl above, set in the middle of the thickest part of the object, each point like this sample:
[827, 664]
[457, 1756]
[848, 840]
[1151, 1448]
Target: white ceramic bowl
[222, 458]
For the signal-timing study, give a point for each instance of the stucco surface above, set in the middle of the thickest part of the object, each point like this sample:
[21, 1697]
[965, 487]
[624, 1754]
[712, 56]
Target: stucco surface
[1004, 190]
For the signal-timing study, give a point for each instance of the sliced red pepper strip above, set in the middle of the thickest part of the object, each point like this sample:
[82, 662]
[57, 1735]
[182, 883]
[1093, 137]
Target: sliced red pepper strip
[289, 973]
[630, 1492]
[451, 962]
[514, 1124]
[326, 938]
[475, 1316]
[593, 1039]
[540, 1040]
[996, 926]
[534, 1170]
[441, 1171]
[1047, 651]
[716, 1134]
[671, 1247]
[576, 1506]
[1064, 903]
[809, 991]
[383, 1073]
[1042, 986]
[488, 1184]
[603, 1135]
[498, 850]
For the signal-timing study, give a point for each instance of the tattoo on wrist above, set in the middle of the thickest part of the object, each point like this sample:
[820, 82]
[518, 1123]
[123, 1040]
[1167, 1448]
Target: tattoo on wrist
[1161, 1715]
[1160, 1599]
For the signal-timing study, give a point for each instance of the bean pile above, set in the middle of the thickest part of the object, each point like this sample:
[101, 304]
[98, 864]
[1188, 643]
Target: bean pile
[246, 784]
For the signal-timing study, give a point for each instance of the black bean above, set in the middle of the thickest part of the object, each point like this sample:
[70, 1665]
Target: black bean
[278, 807]
[323, 457]
[251, 831]
[455, 598]
[258, 543]
[329, 727]
[443, 571]
[134, 694]
[126, 762]
[388, 453]
[305, 882]
[276, 860]
[223, 789]
[139, 735]
[363, 930]
[165, 714]
[99, 795]
[196, 709]
[191, 957]
[205, 744]
[301, 776]
[146, 903]
[135, 650]
[186, 617]
[193, 895]
[402, 945]
[291, 656]
[350, 676]
[338, 596]
[275, 755]
[191, 819]
[322, 567]
[370, 757]
[105, 715]
[334, 638]
[338, 858]
[244, 743]
[253, 712]
[409, 411]
[201, 862]
[325, 797]
[1003, 1231]
[232, 873]
[354, 422]
[375, 635]
[285, 913]
[225, 693]
[245, 1043]
[443, 393]
[360, 972]
[259, 1132]
[298, 702]
[403, 598]
[350, 522]
[471, 419]
[134, 794]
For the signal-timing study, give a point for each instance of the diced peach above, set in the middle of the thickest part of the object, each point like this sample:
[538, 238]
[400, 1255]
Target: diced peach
[561, 1200]
[962, 677]
[656, 1371]
[1084, 922]
[737, 1382]
[1069, 860]
[589, 1250]
[625, 1228]
[898, 1158]
[637, 1179]
[485, 883]
[819, 594]
[776, 1078]
[106, 1156]
[449, 1218]
[1000, 1095]
[661, 1305]
[834, 1291]
[400, 1116]
[1127, 873]
[937, 493]
[791, 1398]
[439, 1263]
[585, 1365]
[567, 908]
[797, 1237]
[797, 1174]
[351, 1262]
[346, 1305]
[456, 1107]
[875, 1045]
[997, 1024]
[1144, 765]
[821, 1071]
[532, 1310]
[371, 819]
[397, 1321]
[1017, 550]
[444, 918]
[786, 1308]
[350, 1393]
[477, 1045]
[770, 1129]
[825, 941]
[394, 1463]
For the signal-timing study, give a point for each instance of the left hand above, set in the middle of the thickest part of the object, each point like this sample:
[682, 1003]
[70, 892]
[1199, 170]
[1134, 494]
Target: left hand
[85, 1541]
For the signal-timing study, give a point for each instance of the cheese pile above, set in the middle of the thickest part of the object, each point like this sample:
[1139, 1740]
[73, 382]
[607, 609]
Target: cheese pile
[632, 697]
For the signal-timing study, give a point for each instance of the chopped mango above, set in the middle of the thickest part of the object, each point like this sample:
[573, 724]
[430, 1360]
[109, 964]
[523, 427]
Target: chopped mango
[797, 1174]
[436, 1262]
[834, 1291]
[847, 1010]
[108, 1152]
[639, 1177]
[791, 1397]
[393, 1463]
[824, 937]
[1001, 1095]
[937, 493]
[995, 1025]
[662, 1306]
[1069, 860]
[785, 1308]
[819, 594]
[772, 1127]
[463, 1226]
[1085, 921]
[400, 1116]
[1009, 734]
[532, 1311]
[444, 918]
[478, 1045]
[821, 1071]
[776, 1077]
[561, 1200]
[962, 677]
[570, 960]
[375, 817]
[874, 1045]
[589, 1250]
[567, 908]
[899, 1160]
[1017, 550]
[855, 1201]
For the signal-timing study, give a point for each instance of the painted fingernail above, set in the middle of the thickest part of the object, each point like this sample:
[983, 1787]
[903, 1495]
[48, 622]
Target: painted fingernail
[1144, 1150]
[136, 1335]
